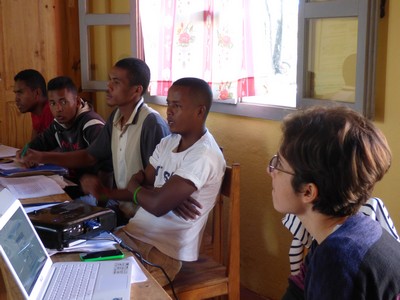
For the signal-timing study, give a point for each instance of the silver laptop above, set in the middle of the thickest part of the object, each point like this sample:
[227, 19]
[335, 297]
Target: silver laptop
[30, 269]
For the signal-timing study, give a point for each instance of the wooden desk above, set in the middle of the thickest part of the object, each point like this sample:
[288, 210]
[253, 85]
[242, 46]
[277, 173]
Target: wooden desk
[147, 290]
[46, 199]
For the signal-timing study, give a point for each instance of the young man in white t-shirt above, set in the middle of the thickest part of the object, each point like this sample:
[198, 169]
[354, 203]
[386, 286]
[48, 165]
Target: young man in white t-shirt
[186, 164]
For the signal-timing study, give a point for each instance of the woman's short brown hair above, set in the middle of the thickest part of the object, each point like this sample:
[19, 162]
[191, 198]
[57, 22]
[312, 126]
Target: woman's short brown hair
[338, 150]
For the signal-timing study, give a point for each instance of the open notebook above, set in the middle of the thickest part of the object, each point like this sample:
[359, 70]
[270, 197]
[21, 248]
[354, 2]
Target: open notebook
[31, 274]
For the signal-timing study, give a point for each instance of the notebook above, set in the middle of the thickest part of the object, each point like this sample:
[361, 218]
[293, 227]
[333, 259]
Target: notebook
[28, 267]
[13, 169]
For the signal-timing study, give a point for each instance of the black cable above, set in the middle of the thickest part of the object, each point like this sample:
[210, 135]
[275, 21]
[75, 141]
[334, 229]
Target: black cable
[144, 261]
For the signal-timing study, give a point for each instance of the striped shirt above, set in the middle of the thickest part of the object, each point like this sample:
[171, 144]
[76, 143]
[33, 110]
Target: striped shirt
[373, 208]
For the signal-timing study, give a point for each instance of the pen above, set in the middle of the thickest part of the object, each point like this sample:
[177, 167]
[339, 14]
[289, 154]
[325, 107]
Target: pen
[24, 150]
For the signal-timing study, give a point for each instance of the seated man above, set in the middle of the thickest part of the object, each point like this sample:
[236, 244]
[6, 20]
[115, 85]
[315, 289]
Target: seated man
[327, 165]
[31, 96]
[75, 127]
[129, 136]
[187, 163]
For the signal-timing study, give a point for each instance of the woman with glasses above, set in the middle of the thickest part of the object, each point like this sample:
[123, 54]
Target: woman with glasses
[325, 170]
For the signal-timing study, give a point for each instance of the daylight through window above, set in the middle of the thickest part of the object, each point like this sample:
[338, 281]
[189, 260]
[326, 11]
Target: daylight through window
[246, 50]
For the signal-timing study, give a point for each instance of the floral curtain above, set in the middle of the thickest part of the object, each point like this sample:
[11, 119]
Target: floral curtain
[225, 42]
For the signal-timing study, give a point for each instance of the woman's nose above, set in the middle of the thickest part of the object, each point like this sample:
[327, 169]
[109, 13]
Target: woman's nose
[270, 172]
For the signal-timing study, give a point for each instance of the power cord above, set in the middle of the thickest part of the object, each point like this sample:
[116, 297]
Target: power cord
[143, 260]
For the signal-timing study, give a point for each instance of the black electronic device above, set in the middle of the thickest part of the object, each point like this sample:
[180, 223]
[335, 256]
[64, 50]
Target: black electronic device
[63, 224]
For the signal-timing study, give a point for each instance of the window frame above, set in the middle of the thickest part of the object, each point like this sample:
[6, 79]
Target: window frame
[365, 10]
[89, 19]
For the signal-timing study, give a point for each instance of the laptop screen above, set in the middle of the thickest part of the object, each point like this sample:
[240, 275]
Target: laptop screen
[23, 249]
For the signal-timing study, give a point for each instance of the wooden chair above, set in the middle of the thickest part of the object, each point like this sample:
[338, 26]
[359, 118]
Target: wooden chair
[217, 271]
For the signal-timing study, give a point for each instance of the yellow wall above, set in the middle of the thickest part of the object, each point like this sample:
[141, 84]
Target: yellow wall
[251, 142]
[388, 105]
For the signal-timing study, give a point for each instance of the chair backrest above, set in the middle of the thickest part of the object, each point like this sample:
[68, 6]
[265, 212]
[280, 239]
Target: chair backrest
[230, 189]
[217, 271]
[224, 243]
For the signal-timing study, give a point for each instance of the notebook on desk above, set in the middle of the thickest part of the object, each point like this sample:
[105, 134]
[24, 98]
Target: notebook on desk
[31, 274]
[14, 169]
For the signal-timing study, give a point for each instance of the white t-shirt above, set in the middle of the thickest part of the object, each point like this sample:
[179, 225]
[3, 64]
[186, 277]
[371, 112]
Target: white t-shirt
[204, 165]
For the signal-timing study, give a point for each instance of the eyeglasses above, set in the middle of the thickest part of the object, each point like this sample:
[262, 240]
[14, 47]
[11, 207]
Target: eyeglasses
[273, 165]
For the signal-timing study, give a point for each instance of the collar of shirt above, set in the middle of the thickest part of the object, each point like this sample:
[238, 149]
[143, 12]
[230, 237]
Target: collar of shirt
[132, 119]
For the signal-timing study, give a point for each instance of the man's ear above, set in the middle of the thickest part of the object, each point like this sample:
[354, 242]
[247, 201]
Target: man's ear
[37, 92]
[201, 112]
[310, 192]
[138, 89]
[78, 101]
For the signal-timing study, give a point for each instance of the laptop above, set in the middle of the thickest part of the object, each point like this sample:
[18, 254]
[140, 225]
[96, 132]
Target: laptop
[30, 273]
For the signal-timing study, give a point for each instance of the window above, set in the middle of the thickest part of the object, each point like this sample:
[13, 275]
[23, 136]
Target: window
[240, 47]
[105, 37]
[336, 61]
[332, 61]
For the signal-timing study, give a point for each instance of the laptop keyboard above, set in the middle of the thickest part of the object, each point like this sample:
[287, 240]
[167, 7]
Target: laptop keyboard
[72, 282]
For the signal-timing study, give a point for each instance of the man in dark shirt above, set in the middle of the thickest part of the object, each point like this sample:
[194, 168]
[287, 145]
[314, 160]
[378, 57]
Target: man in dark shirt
[31, 96]
[129, 136]
[75, 127]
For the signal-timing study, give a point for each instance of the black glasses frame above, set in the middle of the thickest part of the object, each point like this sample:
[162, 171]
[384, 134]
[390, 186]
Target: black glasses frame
[273, 165]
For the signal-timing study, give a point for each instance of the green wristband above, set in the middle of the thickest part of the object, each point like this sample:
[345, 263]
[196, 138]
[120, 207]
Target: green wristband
[135, 194]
